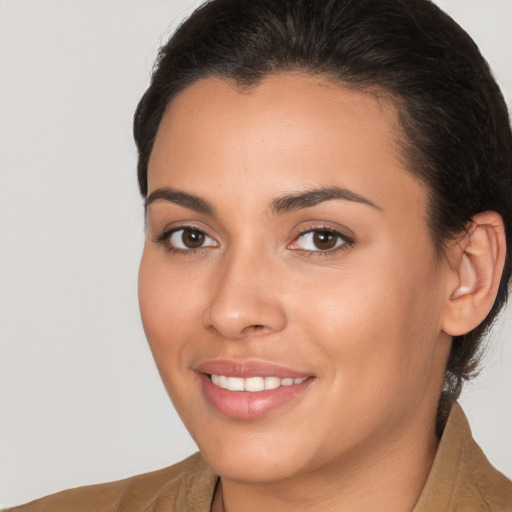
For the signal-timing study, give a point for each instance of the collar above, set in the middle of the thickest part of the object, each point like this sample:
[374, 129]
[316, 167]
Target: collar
[461, 478]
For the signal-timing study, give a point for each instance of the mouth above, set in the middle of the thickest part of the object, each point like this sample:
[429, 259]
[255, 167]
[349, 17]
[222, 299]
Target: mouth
[253, 384]
[250, 390]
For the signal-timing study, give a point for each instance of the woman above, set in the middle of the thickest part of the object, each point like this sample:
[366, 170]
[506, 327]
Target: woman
[329, 221]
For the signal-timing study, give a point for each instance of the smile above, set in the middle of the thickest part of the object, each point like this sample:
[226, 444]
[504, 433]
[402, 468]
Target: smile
[253, 384]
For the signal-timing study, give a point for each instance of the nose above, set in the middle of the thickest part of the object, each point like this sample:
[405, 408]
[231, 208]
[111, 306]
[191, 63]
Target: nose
[245, 298]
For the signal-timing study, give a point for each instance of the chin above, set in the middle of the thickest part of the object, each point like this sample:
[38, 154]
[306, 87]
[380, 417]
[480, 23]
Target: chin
[254, 453]
[251, 466]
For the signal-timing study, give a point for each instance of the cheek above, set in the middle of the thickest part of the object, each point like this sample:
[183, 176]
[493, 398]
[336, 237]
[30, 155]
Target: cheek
[375, 321]
[168, 305]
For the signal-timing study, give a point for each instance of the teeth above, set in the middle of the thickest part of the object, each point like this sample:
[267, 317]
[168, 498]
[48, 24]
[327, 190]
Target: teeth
[272, 382]
[235, 384]
[253, 384]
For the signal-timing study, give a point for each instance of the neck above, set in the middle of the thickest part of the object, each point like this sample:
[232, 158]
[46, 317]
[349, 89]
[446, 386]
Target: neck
[388, 475]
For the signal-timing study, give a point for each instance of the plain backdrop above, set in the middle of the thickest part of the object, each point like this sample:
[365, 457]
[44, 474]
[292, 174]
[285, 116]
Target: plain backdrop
[80, 399]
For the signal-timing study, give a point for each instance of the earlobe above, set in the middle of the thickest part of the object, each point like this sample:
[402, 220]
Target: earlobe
[479, 259]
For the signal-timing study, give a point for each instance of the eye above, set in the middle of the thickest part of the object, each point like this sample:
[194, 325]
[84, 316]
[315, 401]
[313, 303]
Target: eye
[186, 239]
[320, 240]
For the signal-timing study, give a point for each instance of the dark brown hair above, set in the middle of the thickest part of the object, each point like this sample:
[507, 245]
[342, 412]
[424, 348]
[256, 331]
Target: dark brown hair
[456, 128]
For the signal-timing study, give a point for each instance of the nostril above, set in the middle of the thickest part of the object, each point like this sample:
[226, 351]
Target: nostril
[255, 328]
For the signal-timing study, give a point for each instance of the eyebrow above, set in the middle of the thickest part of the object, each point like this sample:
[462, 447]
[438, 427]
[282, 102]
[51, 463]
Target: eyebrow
[281, 205]
[184, 199]
[293, 202]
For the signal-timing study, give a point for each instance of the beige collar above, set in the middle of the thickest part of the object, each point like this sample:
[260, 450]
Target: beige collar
[461, 478]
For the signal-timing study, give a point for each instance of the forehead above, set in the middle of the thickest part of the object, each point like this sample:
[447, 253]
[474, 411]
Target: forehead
[288, 131]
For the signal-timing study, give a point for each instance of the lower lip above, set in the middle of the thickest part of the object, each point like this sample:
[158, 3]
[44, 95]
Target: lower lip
[247, 405]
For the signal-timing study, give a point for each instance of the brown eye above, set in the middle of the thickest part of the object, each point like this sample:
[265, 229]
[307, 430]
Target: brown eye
[324, 240]
[321, 241]
[190, 239]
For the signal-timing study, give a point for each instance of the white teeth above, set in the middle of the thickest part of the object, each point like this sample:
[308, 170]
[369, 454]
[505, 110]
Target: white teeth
[253, 384]
[272, 382]
[235, 384]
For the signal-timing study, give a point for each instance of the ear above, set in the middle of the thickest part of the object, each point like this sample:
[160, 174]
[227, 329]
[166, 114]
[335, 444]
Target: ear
[476, 263]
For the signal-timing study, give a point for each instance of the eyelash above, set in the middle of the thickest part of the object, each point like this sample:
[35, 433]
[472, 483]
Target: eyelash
[164, 239]
[346, 242]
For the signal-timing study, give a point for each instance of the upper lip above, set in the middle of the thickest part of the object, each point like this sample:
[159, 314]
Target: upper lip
[249, 368]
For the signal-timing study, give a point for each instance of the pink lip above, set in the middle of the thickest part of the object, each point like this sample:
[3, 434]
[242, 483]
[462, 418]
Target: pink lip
[244, 369]
[249, 405]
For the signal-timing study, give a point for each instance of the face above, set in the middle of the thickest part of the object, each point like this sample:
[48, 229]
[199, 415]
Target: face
[289, 287]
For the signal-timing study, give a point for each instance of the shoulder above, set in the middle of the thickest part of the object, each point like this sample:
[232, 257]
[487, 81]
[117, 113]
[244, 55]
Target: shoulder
[492, 487]
[462, 479]
[188, 485]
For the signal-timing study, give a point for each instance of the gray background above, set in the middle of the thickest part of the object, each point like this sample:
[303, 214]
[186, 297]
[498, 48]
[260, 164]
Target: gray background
[80, 399]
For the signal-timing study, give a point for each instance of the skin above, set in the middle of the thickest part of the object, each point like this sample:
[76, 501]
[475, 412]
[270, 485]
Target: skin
[364, 319]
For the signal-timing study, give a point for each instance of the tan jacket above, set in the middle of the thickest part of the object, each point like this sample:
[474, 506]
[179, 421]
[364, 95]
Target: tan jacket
[461, 480]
